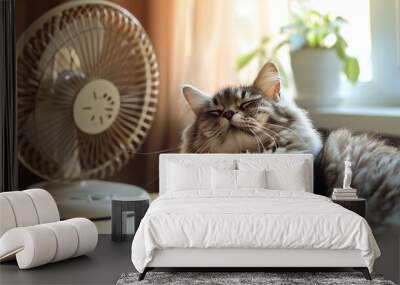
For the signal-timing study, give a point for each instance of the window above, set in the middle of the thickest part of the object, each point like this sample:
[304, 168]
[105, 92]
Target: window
[373, 35]
[253, 21]
[383, 88]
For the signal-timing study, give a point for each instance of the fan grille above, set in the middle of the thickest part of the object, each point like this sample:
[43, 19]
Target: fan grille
[66, 50]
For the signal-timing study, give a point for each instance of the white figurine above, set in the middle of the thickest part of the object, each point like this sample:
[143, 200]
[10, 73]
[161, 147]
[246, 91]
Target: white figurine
[347, 175]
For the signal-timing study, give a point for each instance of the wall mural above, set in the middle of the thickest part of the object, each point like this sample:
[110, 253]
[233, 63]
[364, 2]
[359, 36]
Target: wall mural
[257, 119]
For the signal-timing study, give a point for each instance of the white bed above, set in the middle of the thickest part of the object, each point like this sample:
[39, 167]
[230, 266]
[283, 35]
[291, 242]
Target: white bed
[232, 226]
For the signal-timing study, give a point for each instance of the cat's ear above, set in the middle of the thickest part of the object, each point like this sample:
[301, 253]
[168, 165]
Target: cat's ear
[268, 81]
[195, 97]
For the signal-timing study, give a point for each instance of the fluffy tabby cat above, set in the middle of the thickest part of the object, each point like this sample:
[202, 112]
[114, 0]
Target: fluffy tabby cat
[256, 119]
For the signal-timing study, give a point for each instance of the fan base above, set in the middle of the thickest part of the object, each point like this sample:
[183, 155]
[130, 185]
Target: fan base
[89, 198]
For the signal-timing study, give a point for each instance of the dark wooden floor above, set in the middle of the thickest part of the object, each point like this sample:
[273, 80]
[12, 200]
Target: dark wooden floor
[110, 260]
[103, 266]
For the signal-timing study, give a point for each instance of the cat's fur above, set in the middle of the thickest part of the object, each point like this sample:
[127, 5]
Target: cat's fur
[256, 119]
[376, 173]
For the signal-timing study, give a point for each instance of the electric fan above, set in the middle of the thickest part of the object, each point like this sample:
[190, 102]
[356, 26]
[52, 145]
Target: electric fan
[87, 83]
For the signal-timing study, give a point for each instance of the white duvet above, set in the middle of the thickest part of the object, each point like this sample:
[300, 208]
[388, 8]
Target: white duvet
[250, 219]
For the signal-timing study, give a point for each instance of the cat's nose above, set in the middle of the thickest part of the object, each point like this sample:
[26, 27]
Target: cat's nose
[228, 114]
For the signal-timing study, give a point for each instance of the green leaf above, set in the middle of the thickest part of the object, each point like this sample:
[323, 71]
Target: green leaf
[320, 38]
[340, 47]
[264, 40]
[314, 16]
[312, 39]
[327, 19]
[244, 59]
[341, 20]
[351, 69]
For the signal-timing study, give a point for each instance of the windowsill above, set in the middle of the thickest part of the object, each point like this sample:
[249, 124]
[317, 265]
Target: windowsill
[382, 120]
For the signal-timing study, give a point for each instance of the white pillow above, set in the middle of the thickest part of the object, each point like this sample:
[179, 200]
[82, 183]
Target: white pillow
[282, 173]
[251, 178]
[225, 179]
[293, 180]
[181, 177]
[180, 173]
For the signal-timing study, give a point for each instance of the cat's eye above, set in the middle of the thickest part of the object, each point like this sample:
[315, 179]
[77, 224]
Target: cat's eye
[247, 104]
[215, 113]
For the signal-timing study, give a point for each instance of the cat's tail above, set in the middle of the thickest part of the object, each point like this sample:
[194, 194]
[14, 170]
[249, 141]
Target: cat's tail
[376, 172]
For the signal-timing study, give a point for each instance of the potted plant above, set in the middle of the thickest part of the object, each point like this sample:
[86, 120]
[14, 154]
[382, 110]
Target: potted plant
[318, 54]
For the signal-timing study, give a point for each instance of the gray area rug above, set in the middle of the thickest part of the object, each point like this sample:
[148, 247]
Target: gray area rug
[243, 278]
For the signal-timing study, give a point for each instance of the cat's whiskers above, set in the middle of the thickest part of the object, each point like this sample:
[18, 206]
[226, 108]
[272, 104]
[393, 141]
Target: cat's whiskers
[259, 142]
[285, 128]
[289, 129]
[204, 146]
[272, 131]
[213, 132]
[270, 135]
[261, 126]
[199, 148]
[252, 123]
[175, 148]
[265, 130]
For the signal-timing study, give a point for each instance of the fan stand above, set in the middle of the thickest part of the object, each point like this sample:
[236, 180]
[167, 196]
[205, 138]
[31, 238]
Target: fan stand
[89, 198]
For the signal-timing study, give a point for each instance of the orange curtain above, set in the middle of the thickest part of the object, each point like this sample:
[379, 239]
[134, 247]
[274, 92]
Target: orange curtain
[193, 42]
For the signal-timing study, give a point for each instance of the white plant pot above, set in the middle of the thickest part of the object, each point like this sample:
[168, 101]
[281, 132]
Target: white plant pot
[317, 77]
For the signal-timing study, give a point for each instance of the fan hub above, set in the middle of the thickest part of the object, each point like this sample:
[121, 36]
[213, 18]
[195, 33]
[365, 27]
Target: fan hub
[96, 106]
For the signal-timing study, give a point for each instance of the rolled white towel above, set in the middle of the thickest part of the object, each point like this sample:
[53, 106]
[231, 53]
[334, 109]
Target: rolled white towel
[40, 244]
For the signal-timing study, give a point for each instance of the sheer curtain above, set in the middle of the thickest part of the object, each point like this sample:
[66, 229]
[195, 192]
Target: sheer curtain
[193, 40]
